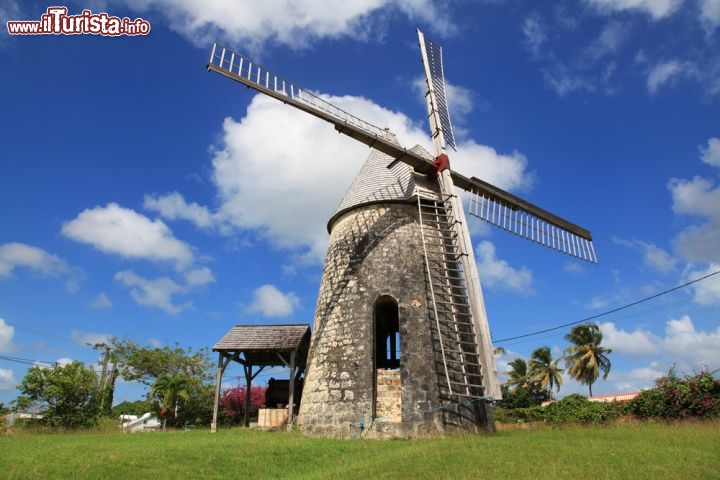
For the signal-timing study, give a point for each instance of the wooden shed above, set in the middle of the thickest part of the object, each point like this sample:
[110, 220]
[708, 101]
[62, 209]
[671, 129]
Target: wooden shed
[256, 347]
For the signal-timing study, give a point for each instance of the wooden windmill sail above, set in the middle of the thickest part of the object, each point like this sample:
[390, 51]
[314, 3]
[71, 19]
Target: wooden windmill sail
[464, 353]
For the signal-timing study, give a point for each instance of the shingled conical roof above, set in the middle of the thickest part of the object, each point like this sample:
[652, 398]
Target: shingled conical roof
[376, 183]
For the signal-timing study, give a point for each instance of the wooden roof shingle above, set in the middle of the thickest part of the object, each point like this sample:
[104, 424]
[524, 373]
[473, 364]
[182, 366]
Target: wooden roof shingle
[376, 183]
[263, 338]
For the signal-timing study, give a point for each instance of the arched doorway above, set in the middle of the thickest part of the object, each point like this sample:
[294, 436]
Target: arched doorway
[387, 359]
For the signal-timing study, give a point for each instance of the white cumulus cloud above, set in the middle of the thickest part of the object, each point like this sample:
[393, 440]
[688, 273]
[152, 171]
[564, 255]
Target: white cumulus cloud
[710, 14]
[7, 334]
[9, 10]
[535, 34]
[654, 257]
[271, 302]
[609, 41]
[706, 291]
[711, 154]
[460, 102]
[681, 343]
[694, 347]
[157, 293]
[507, 171]
[89, 338]
[174, 207]
[19, 255]
[101, 302]
[286, 191]
[496, 273]
[63, 361]
[565, 80]
[637, 379]
[294, 23]
[638, 342]
[663, 73]
[122, 231]
[698, 198]
[7, 380]
[198, 277]
[657, 9]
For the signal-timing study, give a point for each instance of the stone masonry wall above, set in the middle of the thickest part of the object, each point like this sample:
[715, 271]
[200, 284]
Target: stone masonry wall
[388, 404]
[374, 250]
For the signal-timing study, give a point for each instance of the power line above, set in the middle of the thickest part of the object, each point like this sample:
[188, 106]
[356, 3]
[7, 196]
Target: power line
[593, 317]
[46, 334]
[644, 312]
[25, 361]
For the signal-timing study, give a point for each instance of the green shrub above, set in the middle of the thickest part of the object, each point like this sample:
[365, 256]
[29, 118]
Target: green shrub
[572, 409]
[649, 404]
[67, 395]
[577, 409]
[519, 415]
[522, 397]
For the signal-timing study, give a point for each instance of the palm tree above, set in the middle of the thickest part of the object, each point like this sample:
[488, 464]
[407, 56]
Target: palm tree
[585, 359]
[518, 374]
[544, 371]
[170, 390]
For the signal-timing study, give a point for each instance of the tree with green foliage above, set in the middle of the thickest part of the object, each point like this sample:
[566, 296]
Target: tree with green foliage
[518, 374]
[161, 367]
[544, 371]
[169, 391]
[586, 358]
[67, 394]
[146, 365]
[137, 407]
[107, 378]
[521, 397]
[519, 391]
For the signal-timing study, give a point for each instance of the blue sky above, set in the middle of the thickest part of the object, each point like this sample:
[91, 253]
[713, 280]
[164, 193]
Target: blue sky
[144, 197]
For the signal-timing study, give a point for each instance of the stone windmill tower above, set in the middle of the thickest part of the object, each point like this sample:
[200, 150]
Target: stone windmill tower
[401, 344]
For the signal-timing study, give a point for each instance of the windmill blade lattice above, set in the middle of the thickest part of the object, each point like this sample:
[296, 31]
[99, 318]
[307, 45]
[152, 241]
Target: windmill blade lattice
[436, 79]
[487, 202]
[533, 227]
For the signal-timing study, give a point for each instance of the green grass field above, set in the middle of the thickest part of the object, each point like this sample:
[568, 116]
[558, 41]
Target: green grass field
[652, 451]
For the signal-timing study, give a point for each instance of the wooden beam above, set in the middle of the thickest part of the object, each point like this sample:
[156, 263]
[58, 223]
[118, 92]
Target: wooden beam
[283, 359]
[291, 390]
[248, 386]
[218, 381]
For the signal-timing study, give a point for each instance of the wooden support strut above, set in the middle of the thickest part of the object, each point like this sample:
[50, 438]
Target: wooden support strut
[222, 365]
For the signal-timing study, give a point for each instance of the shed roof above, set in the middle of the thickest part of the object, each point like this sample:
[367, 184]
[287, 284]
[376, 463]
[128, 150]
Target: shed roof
[263, 338]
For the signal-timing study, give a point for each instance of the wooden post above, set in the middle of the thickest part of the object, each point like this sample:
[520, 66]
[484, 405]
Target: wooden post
[291, 390]
[248, 386]
[218, 382]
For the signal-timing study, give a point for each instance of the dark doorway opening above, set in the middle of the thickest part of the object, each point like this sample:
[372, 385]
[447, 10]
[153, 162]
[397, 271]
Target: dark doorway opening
[387, 333]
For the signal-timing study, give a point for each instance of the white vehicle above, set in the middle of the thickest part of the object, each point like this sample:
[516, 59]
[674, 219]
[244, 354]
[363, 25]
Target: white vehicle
[133, 423]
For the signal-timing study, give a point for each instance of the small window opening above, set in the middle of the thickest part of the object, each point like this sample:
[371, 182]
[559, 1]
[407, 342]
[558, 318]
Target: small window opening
[387, 334]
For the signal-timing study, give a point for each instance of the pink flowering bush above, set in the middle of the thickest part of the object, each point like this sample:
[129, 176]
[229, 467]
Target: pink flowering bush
[232, 402]
[674, 397]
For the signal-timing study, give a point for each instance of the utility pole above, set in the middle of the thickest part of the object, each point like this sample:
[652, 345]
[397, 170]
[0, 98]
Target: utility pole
[103, 380]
